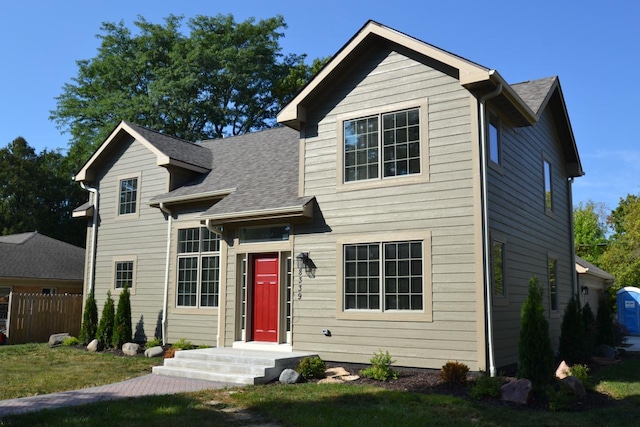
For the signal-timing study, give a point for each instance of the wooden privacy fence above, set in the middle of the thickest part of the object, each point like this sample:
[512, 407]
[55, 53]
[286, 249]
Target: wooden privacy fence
[34, 317]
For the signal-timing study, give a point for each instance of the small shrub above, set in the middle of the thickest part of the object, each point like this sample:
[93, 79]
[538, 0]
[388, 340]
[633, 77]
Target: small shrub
[581, 372]
[620, 333]
[487, 386]
[70, 341]
[380, 368]
[153, 342]
[89, 320]
[105, 327]
[183, 344]
[454, 373]
[311, 367]
[561, 399]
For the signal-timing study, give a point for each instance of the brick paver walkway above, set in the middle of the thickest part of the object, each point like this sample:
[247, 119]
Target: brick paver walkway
[142, 386]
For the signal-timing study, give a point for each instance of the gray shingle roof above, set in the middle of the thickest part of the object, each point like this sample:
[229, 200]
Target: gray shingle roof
[262, 167]
[176, 148]
[535, 92]
[34, 255]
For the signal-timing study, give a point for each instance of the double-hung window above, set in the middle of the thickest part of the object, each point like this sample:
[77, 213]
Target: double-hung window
[128, 200]
[124, 274]
[382, 146]
[198, 268]
[383, 276]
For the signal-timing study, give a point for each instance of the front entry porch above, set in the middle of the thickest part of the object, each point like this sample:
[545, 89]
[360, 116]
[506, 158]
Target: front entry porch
[231, 365]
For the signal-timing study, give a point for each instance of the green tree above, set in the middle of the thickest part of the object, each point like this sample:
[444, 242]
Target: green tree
[622, 258]
[38, 194]
[122, 323]
[535, 354]
[572, 346]
[590, 231]
[223, 78]
[89, 320]
[604, 322]
[590, 329]
[107, 320]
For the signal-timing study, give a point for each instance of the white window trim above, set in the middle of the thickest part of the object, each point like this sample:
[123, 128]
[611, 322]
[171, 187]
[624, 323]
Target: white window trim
[423, 176]
[124, 258]
[425, 315]
[197, 308]
[135, 214]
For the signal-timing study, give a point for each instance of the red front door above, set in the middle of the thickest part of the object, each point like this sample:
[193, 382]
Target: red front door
[265, 298]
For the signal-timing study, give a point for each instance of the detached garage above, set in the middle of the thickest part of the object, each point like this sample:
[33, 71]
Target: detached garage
[628, 300]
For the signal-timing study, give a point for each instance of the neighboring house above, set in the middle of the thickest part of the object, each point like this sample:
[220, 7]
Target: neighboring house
[35, 263]
[592, 283]
[421, 191]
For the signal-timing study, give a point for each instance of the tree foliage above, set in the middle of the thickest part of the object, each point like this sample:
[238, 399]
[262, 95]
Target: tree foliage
[89, 320]
[37, 193]
[590, 231]
[107, 320]
[573, 347]
[122, 330]
[223, 78]
[535, 354]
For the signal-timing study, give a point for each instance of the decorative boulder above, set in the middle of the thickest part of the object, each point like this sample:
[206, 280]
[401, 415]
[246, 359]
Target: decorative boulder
[156, 351]
[57, 339]
[517, 391]
[289, 376]
[563, 370]
[130, 348]
[575, 385]
[94, 346]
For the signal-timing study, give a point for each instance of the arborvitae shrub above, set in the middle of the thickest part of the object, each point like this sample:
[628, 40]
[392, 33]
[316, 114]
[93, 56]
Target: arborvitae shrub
[89, 320]
[535, 355]
[454, 373]
[604, 323]
[122, 325]
[572, 339]
[590, 330]
[107, 320]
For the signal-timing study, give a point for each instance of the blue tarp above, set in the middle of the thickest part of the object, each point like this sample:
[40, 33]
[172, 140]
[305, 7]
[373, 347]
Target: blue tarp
[628, 301]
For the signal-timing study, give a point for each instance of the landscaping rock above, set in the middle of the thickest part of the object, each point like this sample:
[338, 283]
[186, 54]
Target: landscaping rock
[331, 380]
[156, 351]
[517, 391]
[336, 372]
[94, 346]
[575, 385]
[57, 339]
[130, 348]
[563, 370]
[289, 376]
[607, 351]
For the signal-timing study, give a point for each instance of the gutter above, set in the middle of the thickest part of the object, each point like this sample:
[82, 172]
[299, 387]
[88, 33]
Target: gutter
[94, 233]
[217, 230]
[165, 300]
[485, 226]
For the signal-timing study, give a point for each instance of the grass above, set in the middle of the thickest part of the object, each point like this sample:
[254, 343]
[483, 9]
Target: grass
[33, 369]
[326, 405]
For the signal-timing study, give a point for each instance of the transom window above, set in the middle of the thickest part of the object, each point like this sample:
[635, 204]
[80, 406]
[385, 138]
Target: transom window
[198, 268]
[124, 274]
[398, 141]
[128, 196]
[383, 276]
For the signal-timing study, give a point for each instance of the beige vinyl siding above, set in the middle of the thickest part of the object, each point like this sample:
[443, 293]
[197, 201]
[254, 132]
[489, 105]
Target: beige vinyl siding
[142, 237]
[442, 204]
[517, 209]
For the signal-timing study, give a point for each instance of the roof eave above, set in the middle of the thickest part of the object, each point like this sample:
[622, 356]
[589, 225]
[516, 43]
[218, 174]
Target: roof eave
[289, 212]
[208, 195]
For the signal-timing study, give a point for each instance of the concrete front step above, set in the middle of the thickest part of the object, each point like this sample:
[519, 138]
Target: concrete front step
[232, 365]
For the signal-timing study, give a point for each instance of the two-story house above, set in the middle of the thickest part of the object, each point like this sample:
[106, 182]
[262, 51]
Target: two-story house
[403, 206]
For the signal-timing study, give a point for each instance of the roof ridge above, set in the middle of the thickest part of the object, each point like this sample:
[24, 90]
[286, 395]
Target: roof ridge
[177, 138]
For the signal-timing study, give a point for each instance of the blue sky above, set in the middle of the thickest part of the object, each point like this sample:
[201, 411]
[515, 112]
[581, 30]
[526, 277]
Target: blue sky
[593, 46]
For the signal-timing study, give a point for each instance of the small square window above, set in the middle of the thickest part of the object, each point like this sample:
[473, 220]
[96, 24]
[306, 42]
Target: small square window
[123, 274]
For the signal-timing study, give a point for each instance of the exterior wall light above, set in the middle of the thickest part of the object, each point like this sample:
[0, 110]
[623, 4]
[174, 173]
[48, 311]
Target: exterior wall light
[585, 290]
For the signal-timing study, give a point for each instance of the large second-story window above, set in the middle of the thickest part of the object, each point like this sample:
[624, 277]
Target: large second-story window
[128, 200]
[198, 268]
[382, 146]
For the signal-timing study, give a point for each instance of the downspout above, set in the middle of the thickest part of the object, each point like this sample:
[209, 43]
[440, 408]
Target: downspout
[94, 233]
[485, 226]
[165, 300]
[218, 232]
[572, 247]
